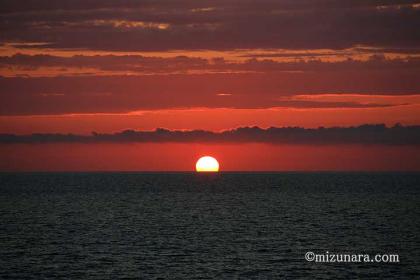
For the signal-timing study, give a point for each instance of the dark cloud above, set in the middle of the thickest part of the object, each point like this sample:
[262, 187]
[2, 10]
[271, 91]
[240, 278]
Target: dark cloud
[218, 25]
[149, 65]
[365, 134]
[135, 63]
[11, 6]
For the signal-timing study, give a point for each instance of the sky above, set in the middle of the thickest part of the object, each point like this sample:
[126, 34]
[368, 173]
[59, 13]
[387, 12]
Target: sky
[77, 67]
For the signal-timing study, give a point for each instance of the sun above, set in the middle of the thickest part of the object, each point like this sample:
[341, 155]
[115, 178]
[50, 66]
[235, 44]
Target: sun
[207, 164]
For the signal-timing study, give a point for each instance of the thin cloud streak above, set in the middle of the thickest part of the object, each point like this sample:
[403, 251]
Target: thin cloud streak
[122, 94]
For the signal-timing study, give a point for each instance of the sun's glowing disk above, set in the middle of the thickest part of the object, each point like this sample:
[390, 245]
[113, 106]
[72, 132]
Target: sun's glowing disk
[207, 164]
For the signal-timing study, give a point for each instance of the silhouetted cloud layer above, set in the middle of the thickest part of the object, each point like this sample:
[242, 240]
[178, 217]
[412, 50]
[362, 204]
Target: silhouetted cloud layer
[364, 134]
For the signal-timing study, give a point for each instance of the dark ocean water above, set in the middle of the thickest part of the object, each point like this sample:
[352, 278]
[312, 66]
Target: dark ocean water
[202, 226]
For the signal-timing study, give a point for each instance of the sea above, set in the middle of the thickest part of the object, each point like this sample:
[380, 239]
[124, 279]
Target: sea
[228, 225]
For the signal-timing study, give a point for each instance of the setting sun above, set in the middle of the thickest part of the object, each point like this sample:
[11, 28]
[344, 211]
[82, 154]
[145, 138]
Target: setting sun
[207, 164]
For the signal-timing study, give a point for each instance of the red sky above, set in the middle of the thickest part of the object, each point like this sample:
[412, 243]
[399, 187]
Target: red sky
[182, 157]
[107, 66]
